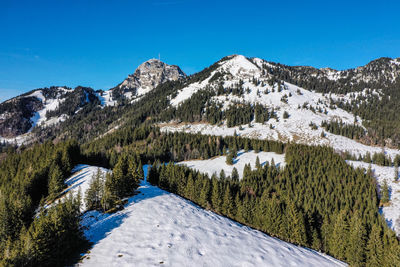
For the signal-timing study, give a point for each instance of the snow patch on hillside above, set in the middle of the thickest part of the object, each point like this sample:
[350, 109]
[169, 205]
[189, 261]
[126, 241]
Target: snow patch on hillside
[106, 98]
[50, 104]
[159, 228]
[216, 164]
[381, 173]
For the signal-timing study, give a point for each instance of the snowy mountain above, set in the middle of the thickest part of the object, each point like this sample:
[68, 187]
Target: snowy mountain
[298, 113]
[146, 77]
[42, 107]
[157, 227]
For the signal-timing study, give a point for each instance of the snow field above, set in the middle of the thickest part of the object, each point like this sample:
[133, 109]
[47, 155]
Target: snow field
[216, 164]
[158, 228]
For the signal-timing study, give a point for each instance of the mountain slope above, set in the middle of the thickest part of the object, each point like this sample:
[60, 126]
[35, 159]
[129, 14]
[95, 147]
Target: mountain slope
[42, 107]
[276, 109]
[157, 227]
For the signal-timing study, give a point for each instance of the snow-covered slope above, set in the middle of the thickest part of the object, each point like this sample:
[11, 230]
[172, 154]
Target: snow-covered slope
[41, 107]
[303, 106]
[215, 165]
[49, 104]
[392, 211]
[159, 228]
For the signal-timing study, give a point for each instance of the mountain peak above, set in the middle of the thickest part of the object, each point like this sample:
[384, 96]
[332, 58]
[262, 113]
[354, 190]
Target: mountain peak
[146, 77]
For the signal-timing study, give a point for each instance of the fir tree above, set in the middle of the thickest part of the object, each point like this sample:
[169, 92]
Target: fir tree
[56, 181]
[235, 174]
[385, 192]
[295, 224]
[355, 252]
[258, 164]
[374, 248]
[339, 238]
[95, 192]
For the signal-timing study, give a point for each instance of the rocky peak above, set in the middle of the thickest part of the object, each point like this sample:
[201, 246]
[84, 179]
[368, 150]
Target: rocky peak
[146, 77]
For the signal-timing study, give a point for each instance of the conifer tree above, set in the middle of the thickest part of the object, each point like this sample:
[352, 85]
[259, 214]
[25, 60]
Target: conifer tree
[339, 237]
[385, 192]
[227, 206]
[229, 158]
[190, 190]
[374, 248]
[95, 192]
[258, 164]
[222, 175]
[205, 193]
[355, 252]
[235, 174]
[56, 181]
[215, 195]
[295, 224]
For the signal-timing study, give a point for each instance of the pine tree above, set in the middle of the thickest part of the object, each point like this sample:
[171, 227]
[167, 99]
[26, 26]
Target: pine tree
[374, 248]
[228, 205]
[205, 193]
[229, 158]
[110, 196]
[339, 237]
[355, 252]
[295, 224]
[95, 192]
[215, 195]
[222, 175]
[258, 164]
[385, 192]
[190, 190]
[235, 174]
[56, 181]
[396, 172]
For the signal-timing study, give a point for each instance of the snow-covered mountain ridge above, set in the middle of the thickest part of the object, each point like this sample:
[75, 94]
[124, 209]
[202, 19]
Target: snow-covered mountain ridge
[157, 227]
[299, 112]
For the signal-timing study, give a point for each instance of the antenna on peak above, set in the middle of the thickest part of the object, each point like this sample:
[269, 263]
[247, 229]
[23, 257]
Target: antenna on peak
[159, 57]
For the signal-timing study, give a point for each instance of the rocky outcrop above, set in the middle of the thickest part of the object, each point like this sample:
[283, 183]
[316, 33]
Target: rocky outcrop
[147, 77]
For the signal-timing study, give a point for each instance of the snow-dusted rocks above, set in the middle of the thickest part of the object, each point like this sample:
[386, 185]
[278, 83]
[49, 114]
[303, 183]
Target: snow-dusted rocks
[146, 77]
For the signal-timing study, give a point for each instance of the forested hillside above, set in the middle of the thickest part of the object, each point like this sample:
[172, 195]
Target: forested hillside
[159, 116]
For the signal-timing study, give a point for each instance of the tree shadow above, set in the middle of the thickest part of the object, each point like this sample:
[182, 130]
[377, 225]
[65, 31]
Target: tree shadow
[98, 225]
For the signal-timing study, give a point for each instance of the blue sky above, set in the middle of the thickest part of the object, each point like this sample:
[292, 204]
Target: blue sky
[98, 43]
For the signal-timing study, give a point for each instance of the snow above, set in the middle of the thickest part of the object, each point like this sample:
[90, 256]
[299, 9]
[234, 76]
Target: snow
[159, 228]
[18, 140]
[49, 105]
[294, 129]
[391, 212]
[216, 164]
[239, 64]
[106, 98]
[80, 180]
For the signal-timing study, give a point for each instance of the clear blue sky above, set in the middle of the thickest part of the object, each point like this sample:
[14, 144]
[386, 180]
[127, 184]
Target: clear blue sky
[98, 43]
